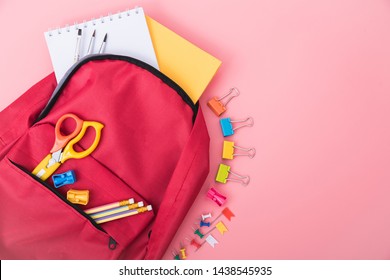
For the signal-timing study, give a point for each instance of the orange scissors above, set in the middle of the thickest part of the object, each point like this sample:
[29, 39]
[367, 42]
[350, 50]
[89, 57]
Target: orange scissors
[63, 146]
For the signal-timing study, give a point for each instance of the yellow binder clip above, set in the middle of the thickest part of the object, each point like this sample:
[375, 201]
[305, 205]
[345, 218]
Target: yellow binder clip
[216, 105]
[228, 150]
[78, 196]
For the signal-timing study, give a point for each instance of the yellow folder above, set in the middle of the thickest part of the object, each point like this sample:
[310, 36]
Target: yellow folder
[189, 66]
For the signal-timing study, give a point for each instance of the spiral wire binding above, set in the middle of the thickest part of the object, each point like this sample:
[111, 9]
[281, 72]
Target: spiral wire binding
[59, 30]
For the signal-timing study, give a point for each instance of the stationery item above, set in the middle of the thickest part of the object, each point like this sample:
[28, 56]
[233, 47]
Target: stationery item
[206, 216]
[198, 233]
[175, 255]
[224, 172]
[195, 244]
[110, 206]
[204, 224]
[116, 210]
[63, 179]
[78, 196]
[183, 252]
[63, 145]
[211, 240]
[228, 150]
[78, 42]
[91, 43]
[216, 104]
[189, 66]
[216, 197]
[227, 125]
[124, 214]
[128, 34]
[102, 47]
[220, 226]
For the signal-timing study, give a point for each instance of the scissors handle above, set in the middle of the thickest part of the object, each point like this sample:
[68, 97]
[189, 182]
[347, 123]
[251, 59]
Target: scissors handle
[61, 139]
[69, 152]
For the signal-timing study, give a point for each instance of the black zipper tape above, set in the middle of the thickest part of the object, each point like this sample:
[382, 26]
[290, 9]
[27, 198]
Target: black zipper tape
[64, 81]
[111, 242]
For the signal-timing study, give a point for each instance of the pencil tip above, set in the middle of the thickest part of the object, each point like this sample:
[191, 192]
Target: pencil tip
[105, 38]
[93, 34]
[80, 31]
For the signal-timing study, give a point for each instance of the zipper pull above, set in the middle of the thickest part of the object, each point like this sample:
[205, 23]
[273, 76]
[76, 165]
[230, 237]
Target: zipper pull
[112, 243]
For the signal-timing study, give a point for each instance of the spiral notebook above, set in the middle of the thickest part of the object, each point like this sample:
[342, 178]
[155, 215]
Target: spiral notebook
[127, 34]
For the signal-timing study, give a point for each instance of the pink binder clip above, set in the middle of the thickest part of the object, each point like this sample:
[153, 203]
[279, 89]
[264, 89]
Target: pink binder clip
[216, 196]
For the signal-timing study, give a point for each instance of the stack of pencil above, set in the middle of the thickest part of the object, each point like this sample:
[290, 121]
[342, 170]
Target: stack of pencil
[117, 210]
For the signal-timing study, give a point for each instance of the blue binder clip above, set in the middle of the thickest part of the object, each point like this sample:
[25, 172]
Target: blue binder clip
[227, 125]
[63, 179]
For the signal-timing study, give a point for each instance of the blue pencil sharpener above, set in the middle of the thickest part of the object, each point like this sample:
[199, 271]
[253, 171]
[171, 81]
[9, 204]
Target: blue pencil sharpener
[63, 179]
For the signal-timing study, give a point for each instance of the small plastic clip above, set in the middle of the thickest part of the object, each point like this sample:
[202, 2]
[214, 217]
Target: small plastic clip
[204, 224]
[223, 175]
[63, 179]
[228, 150]
[216, 105]
[78, 196]
[227, 125]
[205, 216]
[216, 196]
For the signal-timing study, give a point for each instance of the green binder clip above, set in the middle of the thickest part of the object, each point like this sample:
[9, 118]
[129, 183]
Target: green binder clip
[224, 172]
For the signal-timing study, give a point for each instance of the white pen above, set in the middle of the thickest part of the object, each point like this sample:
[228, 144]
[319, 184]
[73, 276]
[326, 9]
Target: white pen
[103, 44]
[78, 42]
[91, 43]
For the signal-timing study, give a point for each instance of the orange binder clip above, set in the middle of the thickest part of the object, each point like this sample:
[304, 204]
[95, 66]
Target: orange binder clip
[216, 105]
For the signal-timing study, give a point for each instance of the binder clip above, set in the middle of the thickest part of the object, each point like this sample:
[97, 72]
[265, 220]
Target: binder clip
[228, 151]
[227, 125]
[216, 196]
[216, 105]
[78, 196]
[223, 175]
[63, 179]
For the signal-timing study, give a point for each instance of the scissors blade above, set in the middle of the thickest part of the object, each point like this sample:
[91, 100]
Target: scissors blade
[55, 157]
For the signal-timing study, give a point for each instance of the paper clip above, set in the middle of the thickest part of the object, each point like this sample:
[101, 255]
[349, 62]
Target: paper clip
[216, 105]
[223, 175]
[227, 125]
[216, 196]
[228, 150]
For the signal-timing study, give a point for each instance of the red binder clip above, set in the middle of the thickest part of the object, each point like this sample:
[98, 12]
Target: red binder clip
[216, 196]
[216, 105]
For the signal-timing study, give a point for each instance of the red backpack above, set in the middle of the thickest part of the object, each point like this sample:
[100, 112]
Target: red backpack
[154, 147]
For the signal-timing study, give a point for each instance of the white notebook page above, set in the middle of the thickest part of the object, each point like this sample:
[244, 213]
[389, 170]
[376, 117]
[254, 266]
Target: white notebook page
[127, 34]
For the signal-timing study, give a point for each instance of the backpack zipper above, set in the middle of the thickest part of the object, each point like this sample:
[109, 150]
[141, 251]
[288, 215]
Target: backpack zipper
[111, 242]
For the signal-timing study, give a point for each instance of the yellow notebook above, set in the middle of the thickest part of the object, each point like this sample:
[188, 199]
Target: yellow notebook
[189, 66]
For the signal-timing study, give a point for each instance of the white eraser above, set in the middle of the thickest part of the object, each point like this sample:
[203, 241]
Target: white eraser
[149, 207]
[140, 204]
[131, 200]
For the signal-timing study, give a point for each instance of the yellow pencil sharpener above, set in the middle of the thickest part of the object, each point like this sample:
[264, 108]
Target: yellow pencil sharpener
[78, 196]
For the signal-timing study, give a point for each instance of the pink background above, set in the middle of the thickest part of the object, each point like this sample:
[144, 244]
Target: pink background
[315, 77]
